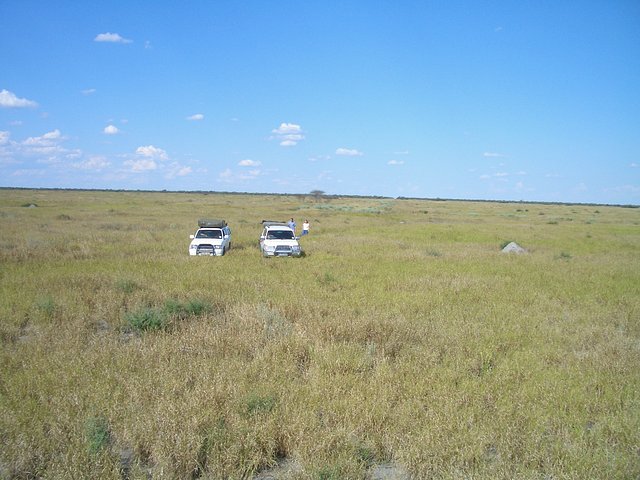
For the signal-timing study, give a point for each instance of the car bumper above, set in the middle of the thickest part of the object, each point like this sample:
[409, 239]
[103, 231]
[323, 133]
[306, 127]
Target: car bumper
[206, 251]
[281, 253]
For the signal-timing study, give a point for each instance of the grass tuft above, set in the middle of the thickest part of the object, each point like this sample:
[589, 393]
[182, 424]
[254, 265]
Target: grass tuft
[127, 286]
[147, 319]
[47, 306]
[257, 404]
[97, 434]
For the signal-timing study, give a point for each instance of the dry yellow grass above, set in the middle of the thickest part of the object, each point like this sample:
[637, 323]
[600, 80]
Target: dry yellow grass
[403, 337]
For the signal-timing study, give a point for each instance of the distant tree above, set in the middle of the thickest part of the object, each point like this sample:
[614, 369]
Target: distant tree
[317, 194]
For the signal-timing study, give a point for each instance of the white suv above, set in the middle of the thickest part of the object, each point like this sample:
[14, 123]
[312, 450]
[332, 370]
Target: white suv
[212, 238]
[279, 240]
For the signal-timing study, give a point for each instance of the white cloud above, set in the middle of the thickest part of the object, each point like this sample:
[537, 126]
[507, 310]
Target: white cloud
[88, 91]
[634, 165]
[111, 38]
[110, 130]
[141, 165]
[249, 163]
[289, 134]
[402, 152]
[29, 172]
[73, 154]
[499, 176]
[229, 176]
[96, 162]
[395, 162]
[10, 100]
[46, 149]
[348, 152]
[493, 155]
[47, 140]
[318, 158]
[287, 128]
[53, 135]
[250, 174]
[150, 151]
[197, 116]
[177, 170]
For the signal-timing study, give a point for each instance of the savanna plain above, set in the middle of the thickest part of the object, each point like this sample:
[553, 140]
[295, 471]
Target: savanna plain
[403, 344]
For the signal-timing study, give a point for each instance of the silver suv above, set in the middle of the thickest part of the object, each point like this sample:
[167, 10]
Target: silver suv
[212, 238]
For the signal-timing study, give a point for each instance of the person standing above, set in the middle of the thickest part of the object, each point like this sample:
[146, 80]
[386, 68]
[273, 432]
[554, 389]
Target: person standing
[292, 225]
[305, 227]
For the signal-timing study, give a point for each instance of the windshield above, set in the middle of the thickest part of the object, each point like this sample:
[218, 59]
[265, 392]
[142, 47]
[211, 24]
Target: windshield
[209, 234]
[279, 235]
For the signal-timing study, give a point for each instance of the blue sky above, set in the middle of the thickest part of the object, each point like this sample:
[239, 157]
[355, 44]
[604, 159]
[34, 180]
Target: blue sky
[536, 101]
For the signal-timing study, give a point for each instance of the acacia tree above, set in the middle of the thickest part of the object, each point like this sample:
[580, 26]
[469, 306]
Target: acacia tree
[317, 194]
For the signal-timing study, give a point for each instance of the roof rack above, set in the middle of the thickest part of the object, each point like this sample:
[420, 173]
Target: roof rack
[271, 223]
[211, 223]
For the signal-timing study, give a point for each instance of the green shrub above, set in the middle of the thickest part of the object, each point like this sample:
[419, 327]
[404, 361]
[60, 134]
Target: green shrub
[160, 318]
[257, 404]
[328, 278]
[147, 319]
[97, 434]
[47, 306]
[329, 473]
[197, 307]
[365, 455]
[174, 308]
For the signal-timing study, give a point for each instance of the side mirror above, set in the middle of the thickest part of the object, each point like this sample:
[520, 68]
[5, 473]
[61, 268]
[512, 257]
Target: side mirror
[192, 237]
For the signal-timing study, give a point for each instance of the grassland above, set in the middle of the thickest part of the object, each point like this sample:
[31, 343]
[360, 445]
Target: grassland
[403, 338]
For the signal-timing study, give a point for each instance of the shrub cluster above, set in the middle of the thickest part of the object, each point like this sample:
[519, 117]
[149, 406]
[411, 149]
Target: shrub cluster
[161, 318]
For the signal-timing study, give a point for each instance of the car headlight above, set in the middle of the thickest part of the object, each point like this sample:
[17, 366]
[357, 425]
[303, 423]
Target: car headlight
[193, 247]
[269, 248]
[295, 248]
